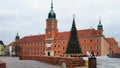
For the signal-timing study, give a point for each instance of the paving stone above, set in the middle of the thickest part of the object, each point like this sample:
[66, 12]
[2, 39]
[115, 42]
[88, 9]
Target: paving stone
[14, 62]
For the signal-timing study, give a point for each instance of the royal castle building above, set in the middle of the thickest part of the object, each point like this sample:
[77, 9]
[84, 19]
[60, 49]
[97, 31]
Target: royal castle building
[54, 43]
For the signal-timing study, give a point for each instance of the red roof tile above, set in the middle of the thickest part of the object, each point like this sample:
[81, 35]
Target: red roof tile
[12, 44]
[112, 40]
[81, 33]
[60, 35]
[35, 38]
[87, 33]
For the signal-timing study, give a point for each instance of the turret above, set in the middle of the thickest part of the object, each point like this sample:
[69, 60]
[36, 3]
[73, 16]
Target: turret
[17, 37]
[100, 28]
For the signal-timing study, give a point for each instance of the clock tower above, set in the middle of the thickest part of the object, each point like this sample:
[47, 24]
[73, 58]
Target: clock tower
[51, 24]
[50, 32]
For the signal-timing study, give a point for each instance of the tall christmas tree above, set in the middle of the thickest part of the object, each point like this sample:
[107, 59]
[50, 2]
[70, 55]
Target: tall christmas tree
[73, 42]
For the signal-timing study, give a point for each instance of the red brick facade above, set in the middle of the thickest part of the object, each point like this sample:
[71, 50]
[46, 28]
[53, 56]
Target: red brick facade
[88, 38]
[70, 62]
[89, 41]
[113, 47]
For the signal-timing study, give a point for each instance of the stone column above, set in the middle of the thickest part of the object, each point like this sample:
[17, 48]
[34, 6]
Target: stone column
[92, 62]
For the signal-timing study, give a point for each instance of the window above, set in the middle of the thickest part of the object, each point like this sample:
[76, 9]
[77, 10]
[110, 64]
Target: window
[63, 48]
[84, 47]
[54, 45]
[41, 43]
[37, 48]
[55, 51]
[90, 40]
[58, 45]
[37, 43]
[58, 51]
[84, 40]
[91, 47]
[97, 47]
[97, 39]
[41, 52]
[41, 49]
[97, 53]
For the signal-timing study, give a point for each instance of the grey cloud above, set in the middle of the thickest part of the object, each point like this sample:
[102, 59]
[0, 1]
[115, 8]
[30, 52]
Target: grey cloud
[28, 16]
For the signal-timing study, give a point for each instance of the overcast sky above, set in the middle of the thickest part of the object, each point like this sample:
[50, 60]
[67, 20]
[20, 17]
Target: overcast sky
[28, 16]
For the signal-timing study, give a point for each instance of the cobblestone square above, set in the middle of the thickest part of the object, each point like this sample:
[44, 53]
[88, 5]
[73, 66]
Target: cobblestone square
[14, 62]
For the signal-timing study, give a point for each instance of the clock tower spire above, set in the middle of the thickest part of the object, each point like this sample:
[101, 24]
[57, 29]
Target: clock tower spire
[51, 13]
[100, 27]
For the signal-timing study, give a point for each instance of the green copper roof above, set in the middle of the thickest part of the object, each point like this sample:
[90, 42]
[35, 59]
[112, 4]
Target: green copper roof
[100, 26]
[51, 13]
[17, 36]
